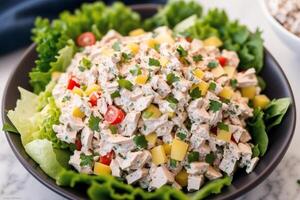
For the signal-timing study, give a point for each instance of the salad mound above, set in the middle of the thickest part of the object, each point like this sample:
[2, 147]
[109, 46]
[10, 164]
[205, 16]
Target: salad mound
[171, 104]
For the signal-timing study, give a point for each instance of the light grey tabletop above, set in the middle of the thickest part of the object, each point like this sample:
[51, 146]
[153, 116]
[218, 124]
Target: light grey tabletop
[17, 183]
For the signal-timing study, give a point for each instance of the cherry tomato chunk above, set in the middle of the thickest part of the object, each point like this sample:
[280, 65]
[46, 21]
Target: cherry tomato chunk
[114, 115]
[93, 100]
[72, 83]
[78, 144]
[222, 60]
[86, 39]
[106, 160]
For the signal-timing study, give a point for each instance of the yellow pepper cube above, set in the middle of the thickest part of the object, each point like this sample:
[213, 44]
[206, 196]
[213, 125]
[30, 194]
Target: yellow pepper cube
[224, 135]
[158, 155]
[137, 32]
[230, 71]
[179, 149]
[198, 73]
[171, 115]
[151, 43]
[134, 48]
[226, 92]
[261, 101]
[151, 139]
[163, 61]
[78, 91]
[101, 169]
[141, 79]
[218, 71]
[78, 113]
[167, 148]
[152, 112]
[92, 88]
[249, 92]
[213, 41]
[182, 178]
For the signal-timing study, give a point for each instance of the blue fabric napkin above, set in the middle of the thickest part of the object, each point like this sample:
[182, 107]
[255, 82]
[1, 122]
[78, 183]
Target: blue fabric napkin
[17, 17]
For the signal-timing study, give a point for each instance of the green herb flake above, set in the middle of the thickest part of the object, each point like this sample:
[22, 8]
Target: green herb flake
[116, 46]
[115, 94]
[212, 64]
[193, 156]
[171, 99]
[85, 63]
[173, 163]
[212, 86]
[10, 128]
[181, 51]
[86, 160]
[233, 83]
[210, 158]
[171, 78]
[136, 71]
[214, 105]
[126, 57]
[140, 141]
[113, 129]
[153, 62]
[65, 98]
[123, 83]
[197, 58]
[94, 123]
[195, 93]
[181, 135]
[147, 114]
[223, 126]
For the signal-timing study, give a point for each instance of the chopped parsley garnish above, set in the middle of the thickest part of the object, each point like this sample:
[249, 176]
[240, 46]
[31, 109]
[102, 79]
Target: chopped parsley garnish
[255, 151]
[212, 86]
[171, 99]
[66, 98]
[81, 68]
[116, 46]
[156, 47]
[154, 62]
[147, 114]
[173, 163]
[171, 78]
[140, 141]
[94, 123]
[85, 63]
[212, 64]
[223, 126]
[181, 51]
[113, 129]
[123, 83]
[214, 105]
[210, 158]
[115, 94]
[233, 83]
[197, 58]
[193, 156]
[195, 93]
[181, 135]
[86, 160]
[126, 57]
[136, 71]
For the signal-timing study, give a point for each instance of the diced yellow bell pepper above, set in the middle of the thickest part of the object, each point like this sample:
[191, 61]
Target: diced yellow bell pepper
[198, 73]
[92, 88]
[101, 169]
[78, 91]
[151, 112]
[213, 41]
[55, 75]
[163, 61]
[151, 138]
[137, 32]
[158, 155]
[134, 48]
[151, 43]
[179, 149]
[249, 92]
[167, 148]
[261, 101]
[182, 178]
[78, 113]
[226, 92]
[230, 71]
[171, 115]
[141, 79]
[224, 135]
[203, 87]
[218, 71]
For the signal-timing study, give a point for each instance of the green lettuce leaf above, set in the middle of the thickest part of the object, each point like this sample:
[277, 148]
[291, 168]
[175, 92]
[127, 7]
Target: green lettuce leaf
[275, 111]
[10, 128]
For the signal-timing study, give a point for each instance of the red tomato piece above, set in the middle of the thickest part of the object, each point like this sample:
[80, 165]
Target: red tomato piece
[86, 39]
[78, 144]
[114, 115]
[93, 99]
[106, 160]
[222, 60]
[189, 39]
[72, 83]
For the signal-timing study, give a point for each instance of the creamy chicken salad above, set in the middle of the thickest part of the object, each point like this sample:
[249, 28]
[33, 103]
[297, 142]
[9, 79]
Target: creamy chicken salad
[157, 108]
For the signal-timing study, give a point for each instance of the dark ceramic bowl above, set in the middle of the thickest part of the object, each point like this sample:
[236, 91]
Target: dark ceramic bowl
[278, 86]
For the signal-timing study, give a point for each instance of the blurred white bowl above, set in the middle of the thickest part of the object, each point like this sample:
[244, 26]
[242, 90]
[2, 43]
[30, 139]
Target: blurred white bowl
[290, 39]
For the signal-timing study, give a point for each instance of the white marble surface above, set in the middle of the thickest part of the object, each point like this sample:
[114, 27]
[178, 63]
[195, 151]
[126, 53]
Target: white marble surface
[17, 183]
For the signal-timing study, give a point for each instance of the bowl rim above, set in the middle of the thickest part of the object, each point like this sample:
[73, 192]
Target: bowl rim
[69, 195]
[276, 23]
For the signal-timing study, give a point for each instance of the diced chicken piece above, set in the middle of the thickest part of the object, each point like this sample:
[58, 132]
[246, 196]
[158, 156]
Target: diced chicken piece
[163, 88]
[136, 175]
[212, 173]
[166, 107]
[213, 142]
[228, 165]
[182, 85]
[245, 137]
[75, 161]
[246, 154]
[136, 94]
[143, 102]
[112, 34]
[129, 124]
[120, 143]
[232, 58]
[102, 105]
[204, 149]
[199, 132]
[197, 168]
[195, 182]
[237, 132]
[86, 139]
[115, 168]
[199, 115]
[247, 78]
[165, 131]
[252, 165]
[196, 46]
[131, 159]
[215, 117]
[150, 125]
[63, 134]
[161, 176]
